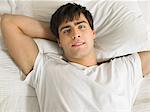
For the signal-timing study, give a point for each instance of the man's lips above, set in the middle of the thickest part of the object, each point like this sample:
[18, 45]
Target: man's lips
[77, 44]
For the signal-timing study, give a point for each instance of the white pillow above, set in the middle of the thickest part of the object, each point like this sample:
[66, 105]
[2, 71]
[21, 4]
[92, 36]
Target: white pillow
[4, 7]
[120, 29]
[7, 6]
[119, 25]
[39, 9]
[145, 8]
[48, 46]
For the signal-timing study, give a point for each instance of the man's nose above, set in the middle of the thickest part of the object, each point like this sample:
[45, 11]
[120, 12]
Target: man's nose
[75, 34]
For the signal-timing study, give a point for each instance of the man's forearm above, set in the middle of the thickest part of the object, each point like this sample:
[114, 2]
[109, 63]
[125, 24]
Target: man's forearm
[30, 26]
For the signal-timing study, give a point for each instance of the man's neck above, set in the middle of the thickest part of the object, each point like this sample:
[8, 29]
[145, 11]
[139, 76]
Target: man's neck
[86, 61]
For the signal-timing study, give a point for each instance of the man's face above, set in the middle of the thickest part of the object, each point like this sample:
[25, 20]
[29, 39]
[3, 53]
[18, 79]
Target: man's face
[76, 38]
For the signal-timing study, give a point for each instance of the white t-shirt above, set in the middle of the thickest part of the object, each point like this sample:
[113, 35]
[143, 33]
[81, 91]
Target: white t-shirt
[69, 87]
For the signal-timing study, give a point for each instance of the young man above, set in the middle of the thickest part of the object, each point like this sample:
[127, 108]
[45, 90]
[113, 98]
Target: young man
[74, 82]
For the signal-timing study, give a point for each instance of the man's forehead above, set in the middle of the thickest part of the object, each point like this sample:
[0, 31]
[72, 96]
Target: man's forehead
[75, 19]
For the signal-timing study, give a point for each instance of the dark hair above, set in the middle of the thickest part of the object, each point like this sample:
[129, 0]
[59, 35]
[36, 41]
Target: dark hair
[68, 12]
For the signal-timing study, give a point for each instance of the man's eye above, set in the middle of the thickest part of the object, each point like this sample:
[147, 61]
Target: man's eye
[66, 30]
[81, 26]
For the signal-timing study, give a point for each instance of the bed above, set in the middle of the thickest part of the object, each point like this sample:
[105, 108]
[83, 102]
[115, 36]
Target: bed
[116, 22]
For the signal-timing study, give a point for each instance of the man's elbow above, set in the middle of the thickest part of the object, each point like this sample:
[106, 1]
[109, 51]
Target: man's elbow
[5, 19]
[6, 23]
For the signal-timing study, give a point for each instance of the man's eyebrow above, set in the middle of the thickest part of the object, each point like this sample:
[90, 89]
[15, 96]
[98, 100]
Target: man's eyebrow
[80, 22]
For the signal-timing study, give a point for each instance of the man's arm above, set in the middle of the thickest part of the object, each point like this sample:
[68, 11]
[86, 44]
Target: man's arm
[18, 32]
[145, 62]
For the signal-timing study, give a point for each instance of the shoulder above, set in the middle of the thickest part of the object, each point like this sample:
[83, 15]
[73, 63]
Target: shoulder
[122, 59]
[128, 64]
[126, 59]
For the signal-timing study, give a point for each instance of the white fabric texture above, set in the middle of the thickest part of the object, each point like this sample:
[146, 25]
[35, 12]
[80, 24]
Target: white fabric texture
[71, 87]
[145, 7]
[118, 28]
[7, 6]
[15, 95]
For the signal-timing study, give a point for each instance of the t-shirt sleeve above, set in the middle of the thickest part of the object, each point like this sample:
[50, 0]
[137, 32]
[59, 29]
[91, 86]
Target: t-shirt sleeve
[134, 67]
[134, 76]
[33, 77]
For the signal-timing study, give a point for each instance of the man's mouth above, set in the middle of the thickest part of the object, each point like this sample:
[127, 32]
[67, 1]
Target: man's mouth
[77, 44]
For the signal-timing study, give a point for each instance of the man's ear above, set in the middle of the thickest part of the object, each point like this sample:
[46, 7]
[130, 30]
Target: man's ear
[59, 44]
[94, 34]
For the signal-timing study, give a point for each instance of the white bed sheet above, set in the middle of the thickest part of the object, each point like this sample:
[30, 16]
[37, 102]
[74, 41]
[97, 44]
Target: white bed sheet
[15, 95]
